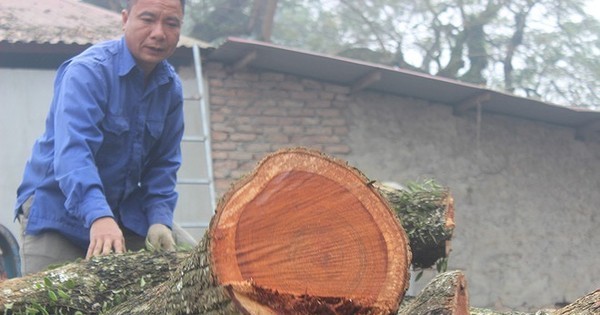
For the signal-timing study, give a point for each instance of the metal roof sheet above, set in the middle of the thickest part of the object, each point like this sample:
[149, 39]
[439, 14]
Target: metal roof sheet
[62, 21]
[350, 72]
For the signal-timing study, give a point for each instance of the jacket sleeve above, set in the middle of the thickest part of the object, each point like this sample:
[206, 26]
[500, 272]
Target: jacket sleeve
[159, 176]
[79, 91]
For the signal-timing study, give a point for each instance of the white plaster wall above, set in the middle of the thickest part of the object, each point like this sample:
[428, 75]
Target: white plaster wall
[526, 194]
[25, 96]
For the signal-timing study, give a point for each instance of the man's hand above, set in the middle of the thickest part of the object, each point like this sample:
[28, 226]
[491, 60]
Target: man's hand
[105, 238]
[160, 238]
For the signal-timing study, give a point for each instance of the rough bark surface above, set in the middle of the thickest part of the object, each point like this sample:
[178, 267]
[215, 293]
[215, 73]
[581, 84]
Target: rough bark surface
[90, 286]
[587, 305]
[427, 213]
[446, 294]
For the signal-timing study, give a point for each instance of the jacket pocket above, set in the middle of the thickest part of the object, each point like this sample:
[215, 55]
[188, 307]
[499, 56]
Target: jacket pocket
[155, 128]
[116, 125]
[115, 141]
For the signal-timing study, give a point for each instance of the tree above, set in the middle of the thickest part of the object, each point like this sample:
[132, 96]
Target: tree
[541, 49]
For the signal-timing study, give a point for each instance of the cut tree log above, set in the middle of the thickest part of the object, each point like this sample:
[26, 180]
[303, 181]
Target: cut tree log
[90, 291]
[586, 305]
[445, 294]
[88, 286]
[302, 231]
[426, 211]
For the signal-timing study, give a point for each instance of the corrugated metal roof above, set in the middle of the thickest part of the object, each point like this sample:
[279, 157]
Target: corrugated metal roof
[62, 21]
[381, 78]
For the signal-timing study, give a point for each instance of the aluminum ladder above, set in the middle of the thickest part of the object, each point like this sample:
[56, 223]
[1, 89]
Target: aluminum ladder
[204, 140]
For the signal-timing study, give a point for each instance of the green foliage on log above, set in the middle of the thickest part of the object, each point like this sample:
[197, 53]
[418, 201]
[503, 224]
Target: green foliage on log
[423, 210]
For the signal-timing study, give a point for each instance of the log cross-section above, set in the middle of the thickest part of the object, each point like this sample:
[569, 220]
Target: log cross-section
[306, 224]
[302, 234]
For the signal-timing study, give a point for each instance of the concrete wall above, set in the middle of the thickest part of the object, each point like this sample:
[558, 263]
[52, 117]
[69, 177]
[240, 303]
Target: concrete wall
[525, 192]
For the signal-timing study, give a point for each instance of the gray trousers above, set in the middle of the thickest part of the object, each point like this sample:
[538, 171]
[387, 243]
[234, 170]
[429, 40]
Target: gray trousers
[38, 252]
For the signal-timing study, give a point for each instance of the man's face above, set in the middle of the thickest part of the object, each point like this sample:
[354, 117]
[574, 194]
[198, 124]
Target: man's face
[152, 29]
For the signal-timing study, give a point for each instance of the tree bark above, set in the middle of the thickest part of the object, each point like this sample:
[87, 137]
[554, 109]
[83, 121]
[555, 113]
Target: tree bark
[446, 294]
[426, 211]
[88, 286]
[586, 305]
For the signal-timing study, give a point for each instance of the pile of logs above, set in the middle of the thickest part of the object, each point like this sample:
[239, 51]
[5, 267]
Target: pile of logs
[304, 233]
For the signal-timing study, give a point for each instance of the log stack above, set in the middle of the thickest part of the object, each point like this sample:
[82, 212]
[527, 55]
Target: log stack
[303, 233]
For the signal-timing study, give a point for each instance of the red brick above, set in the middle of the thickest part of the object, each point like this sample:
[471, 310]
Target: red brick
[327, 96]
[318, 130]
[312, 84]
[217, 100]
[310, 121]
[224, 146]
[257, 147]
[336, 88]
[221, 127]
[213, 83]
[248, 129]
[293, 130]
[221, 92]
[219, 135]
[277, 138]
[246, 76]
[240, 155]
[242, 137]
[337, 122]
[306, 112]
[219, 155]
[291, 104]
[327, 112]
[340, 131]
[248, 93]
[318, 104]
[238, 102]
[275, 111]
[235, 84]
[291, 86]
[303, 95]
[217, 117]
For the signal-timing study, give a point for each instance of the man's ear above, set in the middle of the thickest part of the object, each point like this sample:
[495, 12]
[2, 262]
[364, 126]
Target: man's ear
[124, 17]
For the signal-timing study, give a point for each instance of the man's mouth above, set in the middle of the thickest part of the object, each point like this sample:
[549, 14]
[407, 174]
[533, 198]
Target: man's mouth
[155, 49]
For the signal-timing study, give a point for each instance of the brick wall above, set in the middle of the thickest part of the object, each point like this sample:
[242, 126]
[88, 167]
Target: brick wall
[254, 113]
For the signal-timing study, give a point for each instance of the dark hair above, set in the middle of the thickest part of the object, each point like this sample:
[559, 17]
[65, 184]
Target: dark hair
[130, 3]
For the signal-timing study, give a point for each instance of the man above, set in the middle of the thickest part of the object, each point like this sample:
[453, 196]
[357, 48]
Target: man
[101, 179]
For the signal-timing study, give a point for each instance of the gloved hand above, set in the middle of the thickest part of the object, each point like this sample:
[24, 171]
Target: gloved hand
[160, 238]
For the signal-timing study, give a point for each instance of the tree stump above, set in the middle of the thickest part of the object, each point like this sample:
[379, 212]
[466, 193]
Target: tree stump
[445, 294]
[302, 234]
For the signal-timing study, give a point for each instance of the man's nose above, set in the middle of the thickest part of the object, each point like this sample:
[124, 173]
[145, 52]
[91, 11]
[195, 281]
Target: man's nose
[158, 31]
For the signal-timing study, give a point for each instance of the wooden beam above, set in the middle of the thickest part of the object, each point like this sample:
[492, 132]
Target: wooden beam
[366, 81]
[244, 61]
[587, 130]
[471, 103]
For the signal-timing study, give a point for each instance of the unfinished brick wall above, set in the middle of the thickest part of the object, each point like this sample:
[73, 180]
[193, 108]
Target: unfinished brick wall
[254, 113]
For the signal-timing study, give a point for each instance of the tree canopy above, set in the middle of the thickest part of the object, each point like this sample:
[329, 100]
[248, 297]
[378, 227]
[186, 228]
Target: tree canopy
[542, 49]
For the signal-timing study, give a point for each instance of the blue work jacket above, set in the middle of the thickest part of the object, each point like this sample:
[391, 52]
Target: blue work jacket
[111, 146]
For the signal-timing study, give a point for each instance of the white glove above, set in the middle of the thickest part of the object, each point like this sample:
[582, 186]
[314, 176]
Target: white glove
[160, 238]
